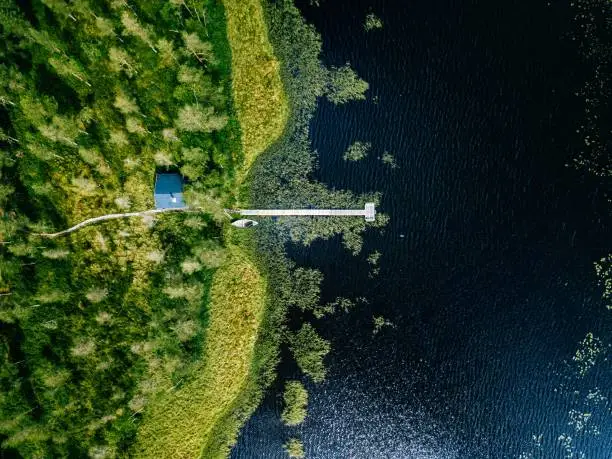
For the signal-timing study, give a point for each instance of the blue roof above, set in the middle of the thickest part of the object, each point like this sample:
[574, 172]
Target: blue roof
[169, 191]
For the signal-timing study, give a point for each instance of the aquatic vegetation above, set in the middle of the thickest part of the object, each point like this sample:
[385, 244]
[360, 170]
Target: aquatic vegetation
[344, 85]
[587, 354]
[294, 448]
[339, 304]
[603, 269]
[307, 230]
[379, 323]
[592, 33]
[569, 449]
[580, 421]
[306, 288]
[282, 177]
[595, 396]
[295, 399]
[357, 150]
[373, 260]
[389, 160]
[309, 349]
[372, 22]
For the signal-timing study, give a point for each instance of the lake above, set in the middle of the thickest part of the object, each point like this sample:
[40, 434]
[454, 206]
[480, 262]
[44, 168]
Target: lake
[487, 264]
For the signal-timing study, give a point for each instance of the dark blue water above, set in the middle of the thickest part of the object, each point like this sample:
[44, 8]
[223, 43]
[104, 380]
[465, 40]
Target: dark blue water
[487, 266]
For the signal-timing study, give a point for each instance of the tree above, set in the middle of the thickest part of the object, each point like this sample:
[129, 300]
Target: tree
[132, 27]
[61, 129]
[190, 266]
[196, 161]
[210, 254]
[124, 103]
[344, 85]
[193, 118]
[120, 60]
[295, 398]
[190, 75]
[96, 295]
[166, 55]
[185, 330]
[104, 27]
[134, 126]
[201, 50]
[6, 192]
[163, 158]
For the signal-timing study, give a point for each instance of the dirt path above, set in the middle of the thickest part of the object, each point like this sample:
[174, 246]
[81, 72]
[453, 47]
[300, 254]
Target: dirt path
[102, 218]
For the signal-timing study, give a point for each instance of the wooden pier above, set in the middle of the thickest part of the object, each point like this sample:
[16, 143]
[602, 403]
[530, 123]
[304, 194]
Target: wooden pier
[369, 212]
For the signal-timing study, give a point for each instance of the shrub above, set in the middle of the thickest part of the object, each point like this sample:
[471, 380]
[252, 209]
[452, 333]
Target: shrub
[192, 118]
[95, 295]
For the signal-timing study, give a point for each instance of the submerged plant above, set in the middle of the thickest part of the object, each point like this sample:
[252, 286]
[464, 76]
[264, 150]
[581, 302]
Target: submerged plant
[339, 304]
[294, 448]
[587, 353]
[372, 22]
[389, 160]
[603, 269]
[309, 349]
[357, 150]
[296, 400]
[345, 85]
[373, 260]
[379, 323]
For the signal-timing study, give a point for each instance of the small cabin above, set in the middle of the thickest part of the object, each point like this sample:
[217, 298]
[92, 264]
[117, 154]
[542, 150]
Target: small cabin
[169, 191]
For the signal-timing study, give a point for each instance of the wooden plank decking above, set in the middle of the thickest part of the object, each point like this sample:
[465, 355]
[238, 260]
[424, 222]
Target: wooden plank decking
[369, 212]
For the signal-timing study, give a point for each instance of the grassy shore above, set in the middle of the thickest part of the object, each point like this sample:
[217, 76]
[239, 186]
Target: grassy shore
[260, 101]
[181, 423]
[203, 416]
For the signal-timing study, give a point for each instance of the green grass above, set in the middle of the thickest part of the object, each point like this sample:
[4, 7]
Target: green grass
[260, 100]
[180, 423]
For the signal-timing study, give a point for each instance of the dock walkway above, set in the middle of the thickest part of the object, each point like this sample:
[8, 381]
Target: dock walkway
[369, 212]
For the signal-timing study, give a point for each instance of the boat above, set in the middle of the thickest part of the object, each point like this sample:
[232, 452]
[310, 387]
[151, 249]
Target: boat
[244, 223]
